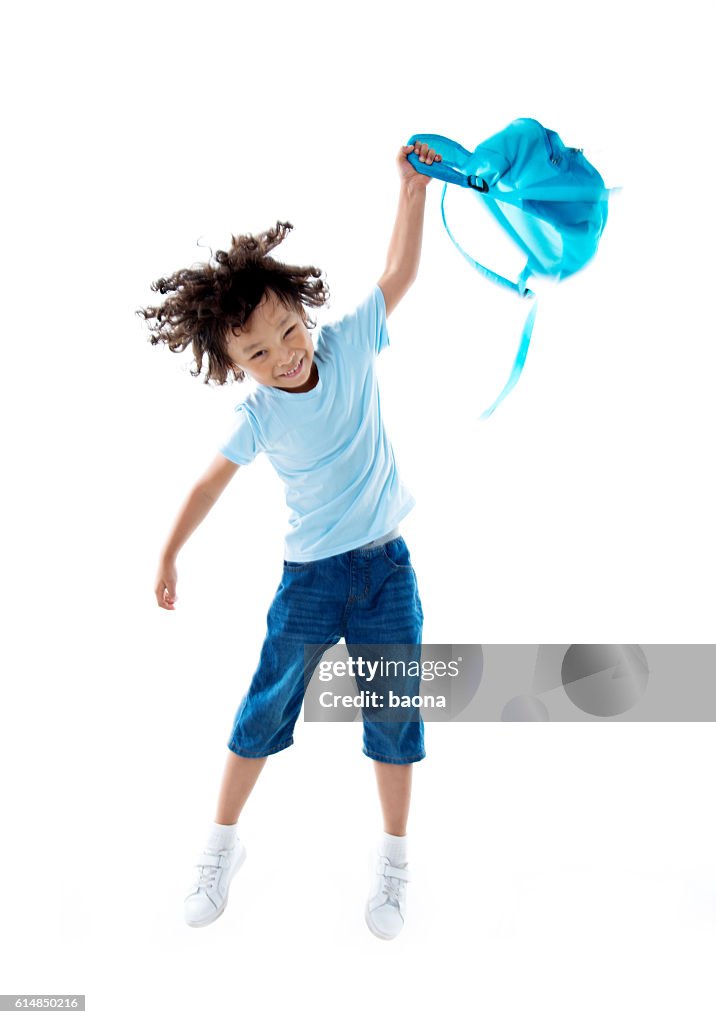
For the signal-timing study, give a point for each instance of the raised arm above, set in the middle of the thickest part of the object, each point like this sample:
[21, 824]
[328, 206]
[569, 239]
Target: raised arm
[401, 266]
[196, 506]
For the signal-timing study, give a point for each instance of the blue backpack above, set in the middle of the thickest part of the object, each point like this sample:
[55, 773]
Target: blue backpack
[547, 196]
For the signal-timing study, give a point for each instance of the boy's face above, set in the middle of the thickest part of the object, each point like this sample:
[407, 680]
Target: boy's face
[275, 347]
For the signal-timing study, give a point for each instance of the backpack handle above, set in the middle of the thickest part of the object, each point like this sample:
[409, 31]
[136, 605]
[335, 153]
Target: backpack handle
[454, 157]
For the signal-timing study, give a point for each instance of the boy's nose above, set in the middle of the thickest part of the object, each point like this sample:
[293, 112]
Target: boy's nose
[286, 359]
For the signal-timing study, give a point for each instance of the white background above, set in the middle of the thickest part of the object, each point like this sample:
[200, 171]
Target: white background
[566, 871]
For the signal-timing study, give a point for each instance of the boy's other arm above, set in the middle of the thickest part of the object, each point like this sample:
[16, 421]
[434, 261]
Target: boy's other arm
[217, 476]
[200, 499]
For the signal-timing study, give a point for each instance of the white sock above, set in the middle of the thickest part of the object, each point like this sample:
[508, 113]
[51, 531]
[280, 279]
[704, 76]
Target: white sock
[221, 837]
[395, 848]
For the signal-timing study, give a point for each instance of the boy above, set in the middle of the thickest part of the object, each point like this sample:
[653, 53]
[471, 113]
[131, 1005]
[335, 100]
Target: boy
[347, 571]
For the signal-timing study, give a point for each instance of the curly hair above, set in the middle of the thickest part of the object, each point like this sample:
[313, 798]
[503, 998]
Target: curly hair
[212, 298]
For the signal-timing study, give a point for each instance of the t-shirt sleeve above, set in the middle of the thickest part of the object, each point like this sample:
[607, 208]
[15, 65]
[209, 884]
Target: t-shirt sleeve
[241, 443]
[366, 327]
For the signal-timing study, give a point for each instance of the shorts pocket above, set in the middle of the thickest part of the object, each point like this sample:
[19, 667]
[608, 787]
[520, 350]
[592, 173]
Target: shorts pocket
[397, 555]
[295, 566]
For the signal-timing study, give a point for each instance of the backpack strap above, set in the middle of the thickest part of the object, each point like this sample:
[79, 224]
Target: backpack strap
[518, 363]
[522, 290]
[516, 287]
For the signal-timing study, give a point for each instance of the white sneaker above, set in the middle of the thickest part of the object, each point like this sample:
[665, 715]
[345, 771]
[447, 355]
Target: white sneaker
[208, 899]
[385, 909]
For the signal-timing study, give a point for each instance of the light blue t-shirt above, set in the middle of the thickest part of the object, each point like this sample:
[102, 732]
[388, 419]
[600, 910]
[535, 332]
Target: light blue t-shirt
[328, 445]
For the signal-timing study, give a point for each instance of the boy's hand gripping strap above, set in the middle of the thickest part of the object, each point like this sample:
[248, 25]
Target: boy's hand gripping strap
[454, 167]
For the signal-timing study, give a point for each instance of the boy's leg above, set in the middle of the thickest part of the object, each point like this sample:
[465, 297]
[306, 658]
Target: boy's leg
[302, 612]
[385, 627]
[306, 609]
[394, 784]
[240, 775]
[224, 852]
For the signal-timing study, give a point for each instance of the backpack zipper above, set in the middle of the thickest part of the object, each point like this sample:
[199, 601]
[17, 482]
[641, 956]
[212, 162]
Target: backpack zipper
[555, 158]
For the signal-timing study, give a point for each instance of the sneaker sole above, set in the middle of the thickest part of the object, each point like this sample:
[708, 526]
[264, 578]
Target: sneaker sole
[210, 920]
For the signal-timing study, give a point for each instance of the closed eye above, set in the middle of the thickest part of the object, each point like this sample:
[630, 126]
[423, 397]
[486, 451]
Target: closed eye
[262, 351]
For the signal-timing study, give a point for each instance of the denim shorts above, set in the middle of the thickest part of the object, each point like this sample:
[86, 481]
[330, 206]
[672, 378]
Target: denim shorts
[366, 596]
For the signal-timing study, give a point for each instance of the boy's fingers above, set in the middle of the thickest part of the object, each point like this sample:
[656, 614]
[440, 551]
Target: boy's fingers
[164, 595]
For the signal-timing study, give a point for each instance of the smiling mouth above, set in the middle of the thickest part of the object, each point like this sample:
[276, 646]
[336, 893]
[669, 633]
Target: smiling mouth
[296, 370]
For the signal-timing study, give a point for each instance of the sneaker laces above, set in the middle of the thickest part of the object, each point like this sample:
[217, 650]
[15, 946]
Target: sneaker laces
[207, 872]
[392, 890]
